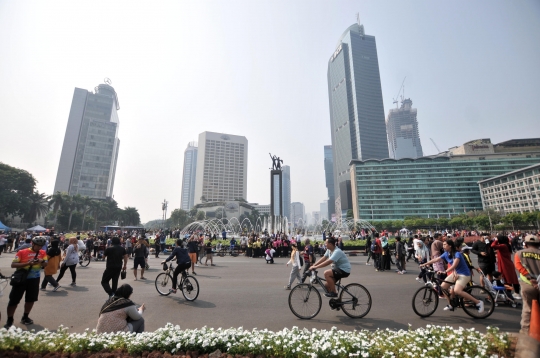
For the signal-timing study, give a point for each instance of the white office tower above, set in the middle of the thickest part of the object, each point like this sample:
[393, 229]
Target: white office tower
[402, 129]
[90, 150]
[221, 168]
[188, 176]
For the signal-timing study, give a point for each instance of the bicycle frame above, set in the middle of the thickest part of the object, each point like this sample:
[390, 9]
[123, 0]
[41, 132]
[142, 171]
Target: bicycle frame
[316, 279]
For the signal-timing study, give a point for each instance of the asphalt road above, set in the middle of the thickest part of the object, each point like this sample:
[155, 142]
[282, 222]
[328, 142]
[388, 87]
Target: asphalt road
[243, 292]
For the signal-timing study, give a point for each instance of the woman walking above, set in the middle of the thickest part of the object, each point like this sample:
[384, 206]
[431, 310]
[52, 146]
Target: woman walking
[71, 259]
[52, 267]
[295, 260]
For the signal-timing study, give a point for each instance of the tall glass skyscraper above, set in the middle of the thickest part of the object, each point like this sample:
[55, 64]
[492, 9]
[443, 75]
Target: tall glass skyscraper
[357, 118]
[402, 128]
[188, 176]
[329, 179]
[286, 196]
[90, 150]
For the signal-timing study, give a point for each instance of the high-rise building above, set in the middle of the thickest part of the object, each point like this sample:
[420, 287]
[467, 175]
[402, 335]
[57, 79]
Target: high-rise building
[221, 168]
[402, 128]
[90, 150]
[188, 176]
[298, 214]
[323, 207]
[329, 179]
[286, 197]
[443, 185]
[357, 120]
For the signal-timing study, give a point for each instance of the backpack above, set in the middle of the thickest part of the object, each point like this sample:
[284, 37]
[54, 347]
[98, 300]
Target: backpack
[403, 250]
[373, 245]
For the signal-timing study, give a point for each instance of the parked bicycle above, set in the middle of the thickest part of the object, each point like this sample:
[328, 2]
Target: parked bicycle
[188, 284]
[426, 299]
[84, 257]
[305, 300]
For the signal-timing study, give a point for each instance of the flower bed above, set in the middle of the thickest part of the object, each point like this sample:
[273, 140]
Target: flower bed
[432, 341]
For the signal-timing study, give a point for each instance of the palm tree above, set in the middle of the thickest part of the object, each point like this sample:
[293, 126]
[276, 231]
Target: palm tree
[39, 206]
[98, 208]
[85, 206]
[131, 216]
[57, 201]
[72, 204]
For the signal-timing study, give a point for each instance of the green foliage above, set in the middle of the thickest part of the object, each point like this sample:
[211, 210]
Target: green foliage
[16, 188]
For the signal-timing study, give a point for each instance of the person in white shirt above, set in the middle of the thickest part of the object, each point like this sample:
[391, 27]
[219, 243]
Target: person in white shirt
[295, 260]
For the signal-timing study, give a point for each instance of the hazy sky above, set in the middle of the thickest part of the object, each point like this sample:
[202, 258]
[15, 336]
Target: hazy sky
[257, 69]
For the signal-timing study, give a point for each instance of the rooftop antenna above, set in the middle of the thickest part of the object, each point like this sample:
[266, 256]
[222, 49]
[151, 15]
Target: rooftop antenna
[359, 24]
[395, 99]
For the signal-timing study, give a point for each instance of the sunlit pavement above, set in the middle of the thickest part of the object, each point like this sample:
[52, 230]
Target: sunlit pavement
[243, 292]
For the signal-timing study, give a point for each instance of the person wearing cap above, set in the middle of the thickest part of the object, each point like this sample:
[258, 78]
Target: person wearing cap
[527, 262]
[32, 259]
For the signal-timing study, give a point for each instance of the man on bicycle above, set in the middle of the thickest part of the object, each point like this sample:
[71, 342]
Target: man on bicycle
[341, 266]
[182, 260]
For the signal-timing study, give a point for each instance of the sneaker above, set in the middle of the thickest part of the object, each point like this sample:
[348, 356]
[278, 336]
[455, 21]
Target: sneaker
[73, 284]
[376, 270]
[56, 288]
[196, 265]
[403, 271]
[516, 296]
[27, 320]
[212, 265]
[368, 264]
[399, 272]
[480, 306]
[172, 290]
[449, 308]
[331, 294]
[287, 287]
[193, 273]
[43, 289]
[8, 324]
[419, 280]
[49, 284]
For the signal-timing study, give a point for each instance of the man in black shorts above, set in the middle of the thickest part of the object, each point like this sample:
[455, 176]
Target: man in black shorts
[31, 259]
[140, 259]
[182, 260]
[342, 266]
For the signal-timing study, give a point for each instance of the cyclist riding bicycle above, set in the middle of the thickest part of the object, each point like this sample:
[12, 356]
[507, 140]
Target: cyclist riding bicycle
[182, 260]
[340, 269]
[459, 276]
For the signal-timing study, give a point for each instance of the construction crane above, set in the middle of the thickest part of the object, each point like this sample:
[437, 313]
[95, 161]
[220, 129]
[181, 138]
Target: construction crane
[397, 96]
[438, 150]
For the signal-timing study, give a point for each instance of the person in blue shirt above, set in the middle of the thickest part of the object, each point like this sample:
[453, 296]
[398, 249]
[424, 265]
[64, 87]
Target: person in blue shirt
[342, 266]
[232, 244]
[459, 274]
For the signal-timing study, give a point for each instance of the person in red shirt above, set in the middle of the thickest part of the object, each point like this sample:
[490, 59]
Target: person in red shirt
[31, 259]
[377, 252]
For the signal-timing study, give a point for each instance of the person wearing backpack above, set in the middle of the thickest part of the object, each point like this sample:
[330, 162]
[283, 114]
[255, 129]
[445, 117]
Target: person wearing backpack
[309, 258]
[297, 264]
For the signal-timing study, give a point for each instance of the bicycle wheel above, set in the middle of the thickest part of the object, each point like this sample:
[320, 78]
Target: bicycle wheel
[305, 301]
[425, 301]
[84, 260]
[190, 288]
[481, 294]
[163, 283]
[355, 300]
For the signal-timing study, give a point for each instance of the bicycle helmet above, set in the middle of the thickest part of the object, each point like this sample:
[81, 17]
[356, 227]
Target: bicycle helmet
[39, 240]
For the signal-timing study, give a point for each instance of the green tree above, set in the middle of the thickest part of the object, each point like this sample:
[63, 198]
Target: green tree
[98, 208]
[131, 216]
[350, 214]
[16, 187]
[178, 218]
[39, 206]
[85, 206]
[72, 204]
[442, 222]
[482, 222]
[57, 202]
[201, 215]
[456, 222]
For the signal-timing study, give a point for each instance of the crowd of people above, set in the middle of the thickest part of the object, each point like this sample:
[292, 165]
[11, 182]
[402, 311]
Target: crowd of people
[447, 254]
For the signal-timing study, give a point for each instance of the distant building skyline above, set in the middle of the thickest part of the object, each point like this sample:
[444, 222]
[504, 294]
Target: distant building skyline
[403, 134]
[286, 197]
[298, 212]
[357, 120]
[221, 167]
[90, 150]
[329, 180]
[189, 174]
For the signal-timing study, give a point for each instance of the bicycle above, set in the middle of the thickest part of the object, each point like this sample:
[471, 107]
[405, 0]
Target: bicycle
[426, 299]
[84, 257]
[4, 281]
[305, 300]
[188, 284]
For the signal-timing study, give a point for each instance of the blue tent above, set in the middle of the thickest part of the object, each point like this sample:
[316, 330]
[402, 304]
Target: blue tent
[4, 227]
